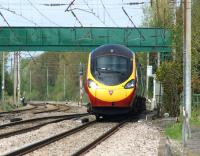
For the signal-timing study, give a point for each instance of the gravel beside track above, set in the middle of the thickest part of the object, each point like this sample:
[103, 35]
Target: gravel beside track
[22, 126]
[12, 143]
[29, 114]
[22, 109]
[137, 139]
[69, 145]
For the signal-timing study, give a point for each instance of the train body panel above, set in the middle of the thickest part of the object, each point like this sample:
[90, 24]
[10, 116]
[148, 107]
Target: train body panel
[111, 79]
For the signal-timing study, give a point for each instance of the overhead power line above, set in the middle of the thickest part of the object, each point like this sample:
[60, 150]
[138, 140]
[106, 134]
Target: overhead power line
[15, 34]
[108, 14]
[72, 2]
[4, 19]
[134, 3]
[17, 14]
[133, 23]
[94, 13]
[90, 11]
[71, 10]
[53, 4]
[76, 18]
[48, 19]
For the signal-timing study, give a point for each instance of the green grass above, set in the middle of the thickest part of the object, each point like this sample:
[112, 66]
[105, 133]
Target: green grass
[195, 117]
[174, 131]
[7, 107]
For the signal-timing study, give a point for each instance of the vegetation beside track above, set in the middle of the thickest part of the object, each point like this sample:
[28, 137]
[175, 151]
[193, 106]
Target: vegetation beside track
[174, 131]
[7, 107]
[171, 70]
[61, 67]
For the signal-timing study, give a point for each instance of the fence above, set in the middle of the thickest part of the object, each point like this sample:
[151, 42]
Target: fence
[196, 100]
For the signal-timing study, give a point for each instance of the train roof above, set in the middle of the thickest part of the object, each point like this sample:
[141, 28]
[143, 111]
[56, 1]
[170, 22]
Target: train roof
[114, 49]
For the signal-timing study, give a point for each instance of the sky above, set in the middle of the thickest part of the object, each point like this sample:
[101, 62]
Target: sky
[89, 13]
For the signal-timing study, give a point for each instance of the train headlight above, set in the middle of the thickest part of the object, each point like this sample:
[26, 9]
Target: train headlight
[130, 84]
[92, 84]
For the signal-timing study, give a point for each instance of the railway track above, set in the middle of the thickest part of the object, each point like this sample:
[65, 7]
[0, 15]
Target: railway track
[18, 110]
[38, 119]
[100, 139]
[56, 108]
[37, 145]
[46, 111]
[36, 126]
[38, 108]
[34, 146]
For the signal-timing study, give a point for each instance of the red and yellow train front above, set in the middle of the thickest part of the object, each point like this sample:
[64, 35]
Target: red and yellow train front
[111, 83]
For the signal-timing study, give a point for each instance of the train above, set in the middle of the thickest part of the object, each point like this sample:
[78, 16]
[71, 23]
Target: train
[114, 82]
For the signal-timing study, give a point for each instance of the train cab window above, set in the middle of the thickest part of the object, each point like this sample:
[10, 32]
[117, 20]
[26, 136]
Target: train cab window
[111, 63]
[111, 69]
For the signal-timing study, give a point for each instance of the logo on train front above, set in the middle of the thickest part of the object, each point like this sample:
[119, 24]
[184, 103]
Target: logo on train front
[110, 92]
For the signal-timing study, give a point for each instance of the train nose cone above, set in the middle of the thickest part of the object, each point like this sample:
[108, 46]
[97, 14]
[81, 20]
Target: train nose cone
[110, 92]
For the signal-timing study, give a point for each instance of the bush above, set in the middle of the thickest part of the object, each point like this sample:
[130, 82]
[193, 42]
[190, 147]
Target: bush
[170, 75]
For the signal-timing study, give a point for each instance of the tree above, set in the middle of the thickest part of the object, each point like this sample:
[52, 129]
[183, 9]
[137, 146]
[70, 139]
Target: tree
[55, 63]
[169, 73]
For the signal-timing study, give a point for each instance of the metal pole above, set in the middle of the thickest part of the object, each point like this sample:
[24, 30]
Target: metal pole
[30, 83]
[81, 83]
[174, 23]
[147, 78]
[186, 133]
[11, 65]
[174, 12]
[64, 81]
[158, 12]
[158, 59]
[47, 83]
[3, 78]
[187, 56]
[15, 79]
[18, 77]
[153, 106]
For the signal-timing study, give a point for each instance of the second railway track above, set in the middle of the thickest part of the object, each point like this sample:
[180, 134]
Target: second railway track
[34, 146]
[108, 130]
[37, 109]
[18, 110]
[32, 124]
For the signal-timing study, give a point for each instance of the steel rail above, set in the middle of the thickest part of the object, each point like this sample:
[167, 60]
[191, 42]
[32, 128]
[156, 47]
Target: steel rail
[18, 110]
[47, 111]
[28, 129]
[32, 147]
[63, 109]
[100, 139]
[41, 118]
[58, 108]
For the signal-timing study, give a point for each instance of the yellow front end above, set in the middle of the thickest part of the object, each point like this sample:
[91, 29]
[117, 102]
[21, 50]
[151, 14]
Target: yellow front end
[101, 95]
